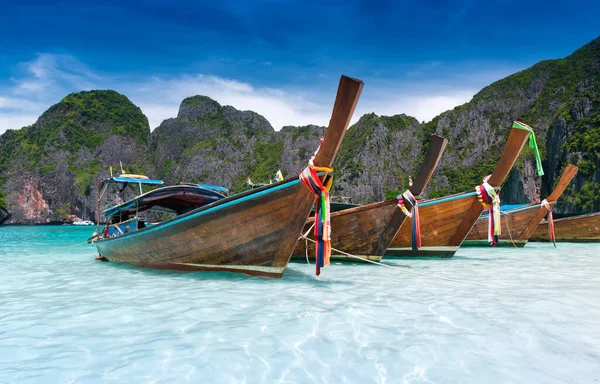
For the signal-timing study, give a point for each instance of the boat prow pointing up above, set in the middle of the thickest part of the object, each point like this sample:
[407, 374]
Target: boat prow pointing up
[252, 233]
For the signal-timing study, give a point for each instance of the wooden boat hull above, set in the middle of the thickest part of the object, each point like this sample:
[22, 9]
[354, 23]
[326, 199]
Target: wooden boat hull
[367, 231]
[513, 225]
[249, 235]
[363, 231]
[253, 232]
[501, 243]
[583, 228]
[518, 224]
[446, 222]
[438, 252]
[440, 221]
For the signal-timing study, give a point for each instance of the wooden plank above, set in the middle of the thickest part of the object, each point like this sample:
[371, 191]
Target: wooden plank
[348, 93]
[368, 230]
[565, 179]
[437, 145]
[514, 145]
[253, 232]
[582, 228]
[513, 223]
[438, 223]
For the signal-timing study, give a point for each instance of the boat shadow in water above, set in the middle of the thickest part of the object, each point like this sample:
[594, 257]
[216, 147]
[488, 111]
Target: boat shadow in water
[291, 275]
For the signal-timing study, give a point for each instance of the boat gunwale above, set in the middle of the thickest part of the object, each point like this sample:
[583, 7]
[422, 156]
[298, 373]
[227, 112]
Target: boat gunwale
[439, 200]
[215, 206]
[518, 209]
[360, 208]
[586, 215]
[145, 194]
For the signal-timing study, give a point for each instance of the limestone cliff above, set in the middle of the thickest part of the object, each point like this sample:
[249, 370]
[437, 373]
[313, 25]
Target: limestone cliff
[221, 145]
[48, 171]
[560, 99]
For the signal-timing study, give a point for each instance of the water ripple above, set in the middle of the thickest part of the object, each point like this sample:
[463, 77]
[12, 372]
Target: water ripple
[67, 318]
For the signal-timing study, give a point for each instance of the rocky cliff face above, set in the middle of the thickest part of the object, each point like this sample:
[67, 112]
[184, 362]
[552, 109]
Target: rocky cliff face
[560, 99]
[221, 145]
[48, 171]
[377, 156]
[4, 215]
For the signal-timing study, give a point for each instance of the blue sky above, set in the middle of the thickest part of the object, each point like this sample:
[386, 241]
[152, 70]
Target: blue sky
[280, 58]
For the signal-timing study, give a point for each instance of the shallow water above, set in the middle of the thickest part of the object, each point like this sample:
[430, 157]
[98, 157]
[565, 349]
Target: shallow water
[65, 317]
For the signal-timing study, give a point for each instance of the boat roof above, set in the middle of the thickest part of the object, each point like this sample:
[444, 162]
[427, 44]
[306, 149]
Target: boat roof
[208, 186]
[179, 198]
[126, 179]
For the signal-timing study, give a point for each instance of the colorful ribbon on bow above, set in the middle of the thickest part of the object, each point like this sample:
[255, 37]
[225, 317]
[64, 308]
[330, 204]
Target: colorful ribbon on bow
[311, 180]
[490, 201]
[547, 205]
[414, 214]
[532, 144]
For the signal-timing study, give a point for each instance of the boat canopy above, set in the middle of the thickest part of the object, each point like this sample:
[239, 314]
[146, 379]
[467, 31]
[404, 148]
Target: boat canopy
[214, 187]
[178, 198]
[208, 186]
[121, 179]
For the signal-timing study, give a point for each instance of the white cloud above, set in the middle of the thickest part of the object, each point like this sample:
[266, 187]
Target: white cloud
[422, 106]
[48, 78]
[8, 121]
[278, 106]
[51, 70]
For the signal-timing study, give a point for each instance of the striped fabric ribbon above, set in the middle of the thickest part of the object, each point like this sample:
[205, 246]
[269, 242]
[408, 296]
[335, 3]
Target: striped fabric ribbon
[547, 205]
[311, 180]
[490, 201]
[414, 214]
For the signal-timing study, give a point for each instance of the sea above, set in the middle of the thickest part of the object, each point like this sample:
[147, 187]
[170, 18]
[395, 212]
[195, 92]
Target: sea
[488, 315]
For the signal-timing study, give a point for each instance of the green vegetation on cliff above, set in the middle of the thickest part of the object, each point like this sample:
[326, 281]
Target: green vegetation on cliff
[80, 120]
[89, 115]
[2, 201]
[559, 98]
[217, 144]
[73, 142]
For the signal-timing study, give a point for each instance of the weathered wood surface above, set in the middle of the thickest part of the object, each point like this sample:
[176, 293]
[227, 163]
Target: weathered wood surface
[513, 224]
[367, 231]
[518, 224]
[446, 222]
[584, 228]
[253, 233]
[565, 179]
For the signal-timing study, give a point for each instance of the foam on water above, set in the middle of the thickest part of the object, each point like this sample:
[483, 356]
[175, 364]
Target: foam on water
[65, 317]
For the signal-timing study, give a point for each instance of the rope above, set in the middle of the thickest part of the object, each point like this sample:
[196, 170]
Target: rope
[305, 237]
[509, 231]
[67, 246]
[402, 269]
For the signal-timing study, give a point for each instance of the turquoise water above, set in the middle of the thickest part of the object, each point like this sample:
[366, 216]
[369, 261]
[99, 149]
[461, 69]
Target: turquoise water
[66, 318]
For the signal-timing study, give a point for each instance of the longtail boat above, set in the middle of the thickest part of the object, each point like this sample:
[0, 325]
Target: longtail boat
[518, 224]
[367, 230]
[445, 222]
[580, 229]
[253, 232]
